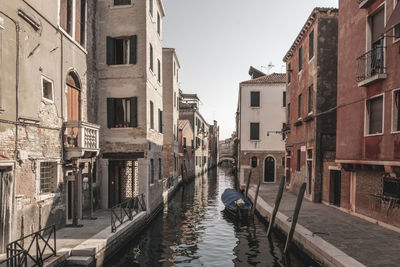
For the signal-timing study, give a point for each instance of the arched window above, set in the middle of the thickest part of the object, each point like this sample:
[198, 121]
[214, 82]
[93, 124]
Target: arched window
[269, 170]
[254, 162]
[73, 97]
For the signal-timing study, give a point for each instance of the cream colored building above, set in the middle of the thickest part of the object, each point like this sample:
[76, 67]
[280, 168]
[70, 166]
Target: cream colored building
[261, 112]
[170, 72]
[48, 149]
[130, 88]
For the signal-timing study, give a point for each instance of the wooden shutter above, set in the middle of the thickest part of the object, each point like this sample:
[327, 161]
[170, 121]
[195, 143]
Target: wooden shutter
[375, 115]
[110, 51]
[78, 20]
[160, 121]
[63, 14]
[254, 131]
[378, 25]
[110, 113]
[255, 99]
[134, 112]
[133, 50]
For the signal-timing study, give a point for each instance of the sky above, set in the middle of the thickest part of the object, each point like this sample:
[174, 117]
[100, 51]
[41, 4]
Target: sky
[217, 41]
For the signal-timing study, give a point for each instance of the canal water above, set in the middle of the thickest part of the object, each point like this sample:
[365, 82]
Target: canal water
[193, 230]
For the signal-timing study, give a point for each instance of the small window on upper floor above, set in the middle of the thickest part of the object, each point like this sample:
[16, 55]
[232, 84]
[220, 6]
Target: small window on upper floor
[73, 19]
[158, 24]
[254, 131]
[300, 58]
[310, 99]
[284, 99]
[299, 107]
[374, 115]
[47, 89]
[311, 45]
[122, 2]
[159, 70]
[151, 58]
[396, 111]
[151, 7]
[121, 50]
[289, 72]
[254, 99]
[396, 29]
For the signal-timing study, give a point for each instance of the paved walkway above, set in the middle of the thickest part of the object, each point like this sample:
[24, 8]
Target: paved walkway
[368, 243]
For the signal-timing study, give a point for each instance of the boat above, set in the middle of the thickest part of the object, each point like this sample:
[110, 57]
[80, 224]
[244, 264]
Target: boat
[235, 203]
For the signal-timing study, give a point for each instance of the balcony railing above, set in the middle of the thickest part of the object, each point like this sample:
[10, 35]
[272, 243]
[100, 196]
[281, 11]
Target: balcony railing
[371, 66]
[80, 137]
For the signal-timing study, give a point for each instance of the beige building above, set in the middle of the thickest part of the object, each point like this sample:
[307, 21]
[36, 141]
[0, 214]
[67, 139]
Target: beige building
[170, 71]
[189, 110]
[261, 114]
[130, 88]
[47, 148]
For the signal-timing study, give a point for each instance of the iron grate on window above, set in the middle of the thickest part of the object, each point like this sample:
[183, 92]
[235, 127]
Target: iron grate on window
[48, 176]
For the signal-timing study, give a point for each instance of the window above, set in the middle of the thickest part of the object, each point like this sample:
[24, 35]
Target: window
[254, 162]
[254, 99]
[288, 113]
[122, 50]
[160, 121]
[289, 72]
[159, 169]
[175, 163]
[151, 7]
[122, 112]
[47, 89]
[73, 19]
[284, 99]
[48, 177]
[374, 115]
[174, 68]
[151, 171]
[174, 99]
[158, 24]
[391, 187]
[184, 142]
[122, 2]
[310, 99]
[397, 27]
[254, 131]
[311, 45]
[299, 107]
[159, 70]
[396, 110]
[300, 58]
[298, 159]
[151, 58]
[151, 115]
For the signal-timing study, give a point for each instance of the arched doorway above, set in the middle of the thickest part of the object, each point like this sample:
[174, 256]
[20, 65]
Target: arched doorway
[269, 170]
[73, 97]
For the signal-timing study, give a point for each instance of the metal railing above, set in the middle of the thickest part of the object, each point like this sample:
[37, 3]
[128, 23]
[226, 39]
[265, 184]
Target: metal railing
[371, 63]
[38, 249]
[17, 260]
[123, 211]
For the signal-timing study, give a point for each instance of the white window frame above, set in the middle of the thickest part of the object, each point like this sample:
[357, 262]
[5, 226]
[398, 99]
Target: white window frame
[366, 116]
[394, 112]
[44, 78]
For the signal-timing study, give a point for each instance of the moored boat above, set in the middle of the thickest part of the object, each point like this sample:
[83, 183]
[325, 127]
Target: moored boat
[235, 203]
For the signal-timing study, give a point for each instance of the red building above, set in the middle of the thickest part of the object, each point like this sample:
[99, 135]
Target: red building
[311, 100]
[368, 113]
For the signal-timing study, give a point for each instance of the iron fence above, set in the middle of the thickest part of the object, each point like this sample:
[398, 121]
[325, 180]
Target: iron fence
[38, 249]
[17, 260]
[124, 211]
[371, 63]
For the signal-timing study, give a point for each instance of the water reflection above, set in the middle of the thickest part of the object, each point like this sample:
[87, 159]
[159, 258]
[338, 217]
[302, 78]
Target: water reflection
[194, 231]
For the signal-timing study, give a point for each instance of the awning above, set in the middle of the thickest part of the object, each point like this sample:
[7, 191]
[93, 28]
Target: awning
[394, 18]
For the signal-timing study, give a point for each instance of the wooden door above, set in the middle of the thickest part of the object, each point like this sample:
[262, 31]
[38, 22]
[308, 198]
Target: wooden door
[73, 103]
[113, 180]
[5, 212]
[269, 170]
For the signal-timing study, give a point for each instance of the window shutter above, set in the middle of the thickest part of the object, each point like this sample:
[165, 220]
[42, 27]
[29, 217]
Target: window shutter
[160, 121]
[110, 51]
[134, 113]
[110, 113]
[63, 14]
[133, 50]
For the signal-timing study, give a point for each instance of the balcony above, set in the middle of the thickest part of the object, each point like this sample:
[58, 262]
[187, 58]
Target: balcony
[364, 3]
[371, 67]
[81, 140]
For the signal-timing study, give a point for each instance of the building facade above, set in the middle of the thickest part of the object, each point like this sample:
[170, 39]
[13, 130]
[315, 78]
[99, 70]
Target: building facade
[130, 100]
[171, 114]
[368, 126]
[186, 164]
[48, 148]
[189, 110]
[261, 114]
[311, 103]
[213, 145]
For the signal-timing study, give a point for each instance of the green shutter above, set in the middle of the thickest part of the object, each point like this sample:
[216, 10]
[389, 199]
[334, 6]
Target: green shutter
[134, 113]
[133, 50]
[160, 121]
[110, 51]
[110, 113]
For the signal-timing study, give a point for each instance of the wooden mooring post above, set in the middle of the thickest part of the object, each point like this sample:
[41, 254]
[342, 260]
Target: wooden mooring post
[255, 199]
[295, 217]
[276, 207]
[248, 184]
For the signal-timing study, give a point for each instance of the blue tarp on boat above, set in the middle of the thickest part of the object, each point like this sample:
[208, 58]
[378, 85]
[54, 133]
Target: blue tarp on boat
[231, 195]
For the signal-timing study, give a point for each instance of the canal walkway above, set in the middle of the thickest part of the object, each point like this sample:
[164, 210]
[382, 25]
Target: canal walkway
[343, 239]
